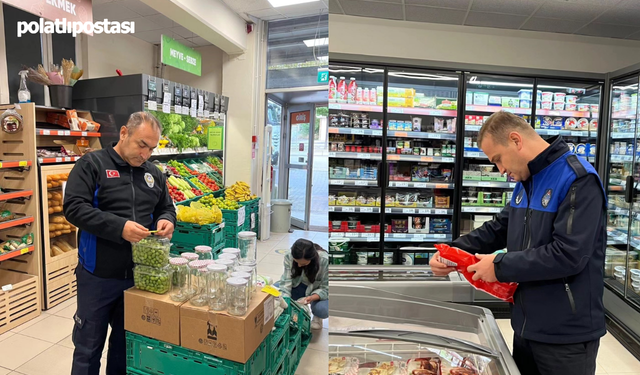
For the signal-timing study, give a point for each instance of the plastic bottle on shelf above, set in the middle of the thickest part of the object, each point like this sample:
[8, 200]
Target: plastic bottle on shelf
[332, 89]
[342, 91]
[352, 91]
[359, 96]
[365, 96]
[373, 96]
[24, 95]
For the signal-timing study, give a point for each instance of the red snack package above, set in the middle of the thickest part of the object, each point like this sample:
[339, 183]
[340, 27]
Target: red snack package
[460, 259]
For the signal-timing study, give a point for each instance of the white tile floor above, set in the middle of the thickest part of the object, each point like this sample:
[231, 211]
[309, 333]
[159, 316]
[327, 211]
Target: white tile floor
[43, 345]
[613, 358]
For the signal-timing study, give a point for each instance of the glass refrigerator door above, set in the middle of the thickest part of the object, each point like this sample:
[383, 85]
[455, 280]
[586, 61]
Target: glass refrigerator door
[485, 191]
[572, 111]
[622, 233]
[355, 142]
[421, 133]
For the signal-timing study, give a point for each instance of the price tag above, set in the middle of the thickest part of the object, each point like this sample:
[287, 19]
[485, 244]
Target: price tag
[357, 131]
[348, 209]
[334, 106]
[469, 209]
[369, 235]
[442, 186]
[424, 211]
[200, 113]
[399, 235]
[366, 209]
[396, 110]
[420, 184]
[439, 236]
[241, 216]
[153, 105]
[448, 160]
[58, 160]
[337, 182]
[166, 98]
[46, 132]
[84, 134]
[24, 251]
[417, 238]
[177, 109]
[402, 184]
[484, 183]
[200, 102]
[387, 210]
[577, 134]
[441, 212]
[206, 114]
[166, 108]
[194, 103]
[332, 209]
[60, 132]
[67, 133]
[401, 134]
[332, 154]
[362, 183]
[363, 156]
[376, 132]
[22, 163]
[426, 158]
[435, 136]
[408, 210]
[193, 112]
[185, 110]
[393, 157]
[352, 235]
[67, 159]
[553, 132]
[8, 287]
[372, 239]
[473, 154]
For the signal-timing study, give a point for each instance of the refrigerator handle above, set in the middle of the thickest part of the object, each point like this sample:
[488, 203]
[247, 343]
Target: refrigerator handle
[630, 190]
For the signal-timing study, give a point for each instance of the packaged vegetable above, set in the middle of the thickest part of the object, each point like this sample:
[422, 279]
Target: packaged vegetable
[151, 251]
[6, 216]
[460, 259]
[155, 280]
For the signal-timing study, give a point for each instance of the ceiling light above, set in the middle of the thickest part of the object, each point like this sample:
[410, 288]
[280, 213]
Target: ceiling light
[316, 42]
[284, 3]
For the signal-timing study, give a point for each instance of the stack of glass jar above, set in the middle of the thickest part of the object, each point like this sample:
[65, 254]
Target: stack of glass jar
[152, 271]
[199, 279]
[247, 262]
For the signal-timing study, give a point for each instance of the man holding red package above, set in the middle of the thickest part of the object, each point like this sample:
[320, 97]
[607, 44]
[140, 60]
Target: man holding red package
[554, 230]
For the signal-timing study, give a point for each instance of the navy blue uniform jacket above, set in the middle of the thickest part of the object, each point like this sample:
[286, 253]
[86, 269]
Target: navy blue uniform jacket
[554, 230]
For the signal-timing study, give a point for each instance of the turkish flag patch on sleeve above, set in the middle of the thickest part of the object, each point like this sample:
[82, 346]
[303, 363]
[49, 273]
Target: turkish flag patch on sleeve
[112, 174]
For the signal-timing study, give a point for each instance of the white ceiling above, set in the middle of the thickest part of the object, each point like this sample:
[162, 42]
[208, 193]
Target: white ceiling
[600, 18]
[264, 10]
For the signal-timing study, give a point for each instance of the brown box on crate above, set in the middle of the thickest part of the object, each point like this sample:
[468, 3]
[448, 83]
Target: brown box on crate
[230, 337]
[152, 315]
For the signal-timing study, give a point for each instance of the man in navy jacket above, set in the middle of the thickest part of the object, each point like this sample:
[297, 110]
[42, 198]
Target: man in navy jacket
[554, 230]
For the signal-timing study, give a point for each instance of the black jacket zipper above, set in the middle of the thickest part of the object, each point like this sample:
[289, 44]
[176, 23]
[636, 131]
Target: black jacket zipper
[570, 295]
[526, 243]
[133, 190]
[572, 210]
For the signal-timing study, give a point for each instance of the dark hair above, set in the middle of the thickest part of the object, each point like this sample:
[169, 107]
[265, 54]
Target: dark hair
[138, 118]
[307, 250]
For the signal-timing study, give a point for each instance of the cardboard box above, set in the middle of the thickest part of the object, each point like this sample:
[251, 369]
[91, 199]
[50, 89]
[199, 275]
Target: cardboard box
[226, 336]
[152, 315]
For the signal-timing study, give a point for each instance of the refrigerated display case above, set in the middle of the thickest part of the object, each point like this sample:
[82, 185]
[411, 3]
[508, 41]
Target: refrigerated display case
[403, 334]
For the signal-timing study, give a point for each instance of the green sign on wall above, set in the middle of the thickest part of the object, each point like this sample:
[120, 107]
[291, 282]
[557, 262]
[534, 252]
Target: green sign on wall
[215, 138]
[180, 56]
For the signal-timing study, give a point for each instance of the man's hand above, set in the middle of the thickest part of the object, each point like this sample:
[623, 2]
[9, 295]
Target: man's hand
[484, 269]
[134, 232]
[438, 268]
[165, 228]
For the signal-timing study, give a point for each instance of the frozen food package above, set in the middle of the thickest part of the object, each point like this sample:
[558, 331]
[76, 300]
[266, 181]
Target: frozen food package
[425, 366]
[343, 366]
[384, 368]
[461, 260]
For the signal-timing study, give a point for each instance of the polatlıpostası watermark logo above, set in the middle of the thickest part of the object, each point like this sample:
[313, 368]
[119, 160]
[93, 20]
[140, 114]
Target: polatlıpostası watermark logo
[75, 28]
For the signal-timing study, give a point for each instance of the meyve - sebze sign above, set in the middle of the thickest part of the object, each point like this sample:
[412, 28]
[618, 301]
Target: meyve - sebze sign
[180, 56]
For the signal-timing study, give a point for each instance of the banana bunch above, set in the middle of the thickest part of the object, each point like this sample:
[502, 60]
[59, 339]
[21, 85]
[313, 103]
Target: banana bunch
[239, 192]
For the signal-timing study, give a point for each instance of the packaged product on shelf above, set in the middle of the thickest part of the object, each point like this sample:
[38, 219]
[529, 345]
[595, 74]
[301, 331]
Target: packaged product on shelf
[581, 149]
[359, 95]
[546, 105]
[558, 123]
[582, 107]
[525, 103]
[558, 106]
[495, 100]
[417, 124]
[425, 201]
[400, 102]
[418, 224]
[332, 200]
[571, 99]
[373, 96]
[572, 147]
[480, 98]
[366, 95]
[390, 201]
[570, 123]
[570, 106]
[592, 150]
[595, 108]
[559, 97]
[583, 124]
[451, 125]
[469, 98]
[427, 366]
[525, 94]
[407, 199]
[424, 101]
[509, 102]
[342, 91]
[420, 173]
[443, 201]
[408, 259]
[332, 89]
[593, 124]
[397, 92]
[446, 104]
[399, 226]
[547, 96]
[346, 198]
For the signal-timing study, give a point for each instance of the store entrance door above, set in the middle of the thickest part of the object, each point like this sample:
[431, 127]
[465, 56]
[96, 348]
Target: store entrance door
[299, 136]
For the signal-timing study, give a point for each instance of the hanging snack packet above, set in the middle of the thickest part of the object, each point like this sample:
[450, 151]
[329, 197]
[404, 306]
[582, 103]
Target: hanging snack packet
[460, 259]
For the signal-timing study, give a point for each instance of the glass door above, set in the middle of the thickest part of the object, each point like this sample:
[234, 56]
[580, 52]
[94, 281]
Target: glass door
[274, 118]
[420, 147]
[320, 184]
[623, 224]
[485, 191]
[571, 110]
[299, 160]
[355, 154]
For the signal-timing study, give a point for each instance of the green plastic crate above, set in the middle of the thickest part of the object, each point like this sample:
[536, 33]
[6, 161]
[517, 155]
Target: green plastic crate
[305, 340]
[190, 235]
[279, 343]
[282, 368]
[253, 214]
[177, 249]
[294, 354]
[300, 318]
[132, 371]
[155, 357]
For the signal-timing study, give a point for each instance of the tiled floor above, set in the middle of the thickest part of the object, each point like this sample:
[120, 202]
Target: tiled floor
[613, 358]
[43, 345]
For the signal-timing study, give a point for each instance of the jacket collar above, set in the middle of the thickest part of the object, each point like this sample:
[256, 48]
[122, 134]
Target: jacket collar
[115, 156]
[556, 149]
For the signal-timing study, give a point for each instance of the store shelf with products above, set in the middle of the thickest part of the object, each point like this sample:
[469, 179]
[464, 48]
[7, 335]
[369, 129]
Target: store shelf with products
[20, 254]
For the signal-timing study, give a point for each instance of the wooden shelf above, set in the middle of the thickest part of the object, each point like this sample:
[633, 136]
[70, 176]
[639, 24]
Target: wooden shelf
[16, 253]
[66, 133]
[68, 159]
[16, 222]
[16, 195]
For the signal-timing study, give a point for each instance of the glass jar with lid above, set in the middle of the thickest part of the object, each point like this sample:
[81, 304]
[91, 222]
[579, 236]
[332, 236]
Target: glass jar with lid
[179, 292]
[231, 250]
[236, 296]
[190, 256]
[248, 245]
[227, 263]
[232, 257]
[217, 286]
[252, 269]
[204, 252]
[202, 296]
[247, 276]
[195, 285]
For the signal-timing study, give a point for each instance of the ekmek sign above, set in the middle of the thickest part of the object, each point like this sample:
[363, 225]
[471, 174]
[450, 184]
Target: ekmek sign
[70, 10]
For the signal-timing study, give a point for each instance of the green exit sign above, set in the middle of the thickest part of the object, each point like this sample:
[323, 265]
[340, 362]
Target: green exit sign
[323, 76]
